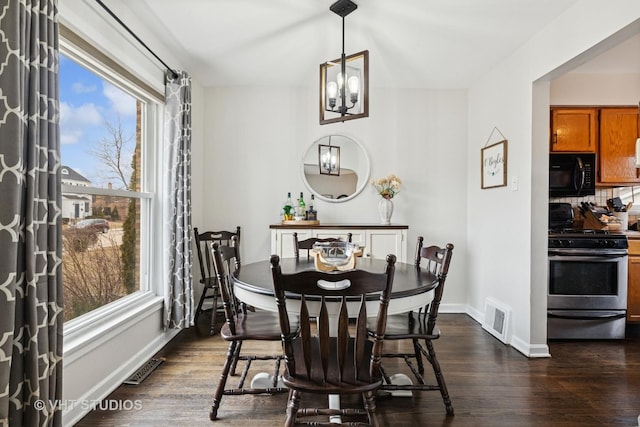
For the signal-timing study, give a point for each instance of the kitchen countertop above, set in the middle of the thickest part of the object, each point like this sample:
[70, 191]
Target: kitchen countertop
[635, 235]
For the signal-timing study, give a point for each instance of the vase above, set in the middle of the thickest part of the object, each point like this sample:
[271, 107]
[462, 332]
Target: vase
[385, 208]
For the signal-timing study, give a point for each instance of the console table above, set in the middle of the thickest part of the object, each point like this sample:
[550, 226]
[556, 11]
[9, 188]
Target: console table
[378, 240]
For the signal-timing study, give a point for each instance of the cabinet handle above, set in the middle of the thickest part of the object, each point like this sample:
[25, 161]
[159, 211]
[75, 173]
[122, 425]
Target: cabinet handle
[554, 138]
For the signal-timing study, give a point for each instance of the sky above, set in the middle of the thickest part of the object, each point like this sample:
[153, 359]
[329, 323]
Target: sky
[87, 103]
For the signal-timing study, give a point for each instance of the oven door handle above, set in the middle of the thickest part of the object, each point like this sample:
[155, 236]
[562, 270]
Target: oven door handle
[578, 176]
[586, 315]
[577, 255]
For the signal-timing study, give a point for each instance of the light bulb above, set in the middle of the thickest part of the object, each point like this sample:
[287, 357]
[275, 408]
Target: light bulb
[332, 90]
[354, 88]
[354, 84]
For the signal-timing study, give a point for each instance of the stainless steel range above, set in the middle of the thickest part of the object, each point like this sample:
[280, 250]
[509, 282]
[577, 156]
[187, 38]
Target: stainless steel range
[587, 284]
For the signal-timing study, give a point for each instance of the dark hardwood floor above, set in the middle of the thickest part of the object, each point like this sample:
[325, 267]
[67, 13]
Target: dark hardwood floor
[584, 383]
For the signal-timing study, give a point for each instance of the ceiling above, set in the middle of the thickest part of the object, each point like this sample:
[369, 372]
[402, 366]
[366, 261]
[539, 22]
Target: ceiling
[438, 44]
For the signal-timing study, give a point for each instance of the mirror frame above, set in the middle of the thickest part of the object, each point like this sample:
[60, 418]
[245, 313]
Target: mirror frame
[365, 178]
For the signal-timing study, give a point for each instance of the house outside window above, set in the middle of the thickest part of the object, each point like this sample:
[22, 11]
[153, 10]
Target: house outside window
[74, 206]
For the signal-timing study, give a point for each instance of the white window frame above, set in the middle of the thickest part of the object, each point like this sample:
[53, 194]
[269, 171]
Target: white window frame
[90, 327]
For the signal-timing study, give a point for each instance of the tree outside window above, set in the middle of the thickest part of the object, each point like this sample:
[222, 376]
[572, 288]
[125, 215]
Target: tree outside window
[100, 127]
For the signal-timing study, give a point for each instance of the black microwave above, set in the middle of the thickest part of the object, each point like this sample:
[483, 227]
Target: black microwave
[572, 174]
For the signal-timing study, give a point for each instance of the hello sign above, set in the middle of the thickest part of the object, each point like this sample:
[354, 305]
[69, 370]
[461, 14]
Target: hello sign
[494, 165]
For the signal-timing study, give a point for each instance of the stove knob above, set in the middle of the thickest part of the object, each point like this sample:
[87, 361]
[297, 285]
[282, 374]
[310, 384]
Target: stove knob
[566, 243]
[611, 243]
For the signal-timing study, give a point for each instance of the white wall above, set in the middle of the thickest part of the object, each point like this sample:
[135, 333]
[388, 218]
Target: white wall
[256, 138]
[596, 89]
[507, 229]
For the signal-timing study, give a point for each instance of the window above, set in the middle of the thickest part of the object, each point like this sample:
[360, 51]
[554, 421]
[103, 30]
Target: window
[629, 195]
[104, 133]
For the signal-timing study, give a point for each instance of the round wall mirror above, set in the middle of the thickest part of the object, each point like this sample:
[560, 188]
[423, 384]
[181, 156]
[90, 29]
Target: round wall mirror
[335, 168]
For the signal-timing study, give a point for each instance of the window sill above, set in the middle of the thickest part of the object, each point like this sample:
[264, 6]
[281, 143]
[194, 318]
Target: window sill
[92, 329]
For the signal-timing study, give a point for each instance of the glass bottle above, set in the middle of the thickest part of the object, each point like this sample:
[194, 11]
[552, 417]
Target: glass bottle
[312, 214]
[302, 206]
[287, 208]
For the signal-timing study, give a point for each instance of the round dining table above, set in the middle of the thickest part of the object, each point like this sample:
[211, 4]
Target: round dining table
[412, 289]
[412, 286]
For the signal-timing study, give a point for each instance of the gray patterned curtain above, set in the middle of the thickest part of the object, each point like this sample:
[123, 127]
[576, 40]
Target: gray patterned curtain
[177, 208]
[30, 224]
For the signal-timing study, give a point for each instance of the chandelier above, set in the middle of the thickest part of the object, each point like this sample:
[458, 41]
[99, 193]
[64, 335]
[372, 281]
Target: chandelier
[329, 159]
[344, 82]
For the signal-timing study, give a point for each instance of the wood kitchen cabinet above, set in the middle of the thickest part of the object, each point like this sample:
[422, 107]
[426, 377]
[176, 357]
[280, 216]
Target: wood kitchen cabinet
[633, 286]
[574, 130]
[378, 240]
[617, 155]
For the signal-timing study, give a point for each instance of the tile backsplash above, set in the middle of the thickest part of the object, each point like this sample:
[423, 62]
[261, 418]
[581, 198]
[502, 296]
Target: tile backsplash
[600, 199]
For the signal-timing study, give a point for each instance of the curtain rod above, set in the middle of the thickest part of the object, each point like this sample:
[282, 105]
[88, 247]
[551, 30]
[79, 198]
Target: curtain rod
[113, 15]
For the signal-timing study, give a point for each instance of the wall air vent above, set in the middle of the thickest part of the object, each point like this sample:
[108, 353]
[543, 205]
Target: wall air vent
[144, 371]
[496, 319]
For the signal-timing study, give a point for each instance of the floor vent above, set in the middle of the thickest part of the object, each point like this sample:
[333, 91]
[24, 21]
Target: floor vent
[143, 372]
[496, 319]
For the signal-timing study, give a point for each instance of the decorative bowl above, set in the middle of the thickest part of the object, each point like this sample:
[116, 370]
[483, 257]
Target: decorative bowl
[335, 255]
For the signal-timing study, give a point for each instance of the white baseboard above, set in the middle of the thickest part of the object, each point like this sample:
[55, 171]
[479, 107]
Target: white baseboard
[527, 349]
[476, 315]
[453, 308]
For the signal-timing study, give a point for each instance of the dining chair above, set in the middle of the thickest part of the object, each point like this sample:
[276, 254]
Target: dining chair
[332, 361]
[210, 289]
[240, 326]
[421, 326]
[307, 244]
